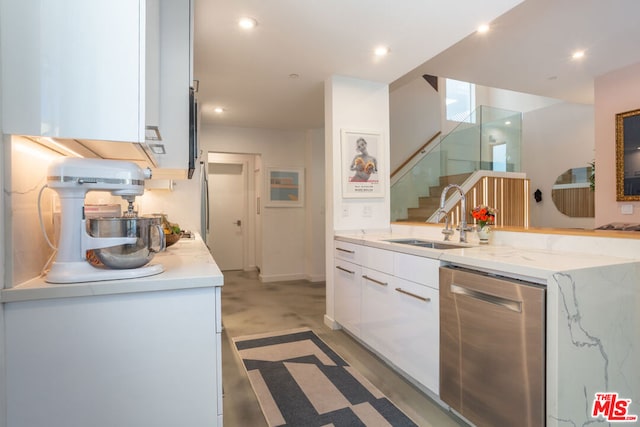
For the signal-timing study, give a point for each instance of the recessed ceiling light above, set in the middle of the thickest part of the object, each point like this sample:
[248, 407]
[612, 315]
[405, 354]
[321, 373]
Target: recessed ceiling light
[508, 122]
[247, 23]
[483, 28]
[578, 54]
[218, 110]
[294, 75]
[381, 51]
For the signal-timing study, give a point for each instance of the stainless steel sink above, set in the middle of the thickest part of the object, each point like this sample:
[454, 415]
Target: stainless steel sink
[426, 243]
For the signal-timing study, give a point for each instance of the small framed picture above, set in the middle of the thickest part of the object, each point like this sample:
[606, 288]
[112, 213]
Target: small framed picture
[285, 187]
[362, 174]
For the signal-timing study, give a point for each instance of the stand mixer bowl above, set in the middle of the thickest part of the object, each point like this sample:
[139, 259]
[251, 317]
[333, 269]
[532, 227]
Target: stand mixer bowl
[148, 231]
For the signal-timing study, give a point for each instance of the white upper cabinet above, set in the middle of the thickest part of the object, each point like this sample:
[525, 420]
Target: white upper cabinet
[175, 80]
[99, 71]
[74, 68]
[152, 63]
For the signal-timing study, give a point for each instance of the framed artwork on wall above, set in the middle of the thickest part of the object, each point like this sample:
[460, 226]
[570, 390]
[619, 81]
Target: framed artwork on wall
[362, 174]
[285, 187]
[628, 156]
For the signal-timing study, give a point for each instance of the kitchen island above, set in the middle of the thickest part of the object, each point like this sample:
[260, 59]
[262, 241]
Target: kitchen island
[134, 352]
[592, 306]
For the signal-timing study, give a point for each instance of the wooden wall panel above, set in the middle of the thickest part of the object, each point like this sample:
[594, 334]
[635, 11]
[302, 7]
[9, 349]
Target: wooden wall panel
[575, 202]
[508, 195]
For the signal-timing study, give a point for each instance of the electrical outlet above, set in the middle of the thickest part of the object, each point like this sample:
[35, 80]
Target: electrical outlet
[626, 209]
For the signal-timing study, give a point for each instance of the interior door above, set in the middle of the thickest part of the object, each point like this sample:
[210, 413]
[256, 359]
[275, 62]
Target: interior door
[227, 200]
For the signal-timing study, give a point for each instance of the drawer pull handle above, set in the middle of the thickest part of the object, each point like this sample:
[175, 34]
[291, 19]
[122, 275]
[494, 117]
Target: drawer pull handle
[375, 281]
[345, 250]
[345, 270]
[402, 291]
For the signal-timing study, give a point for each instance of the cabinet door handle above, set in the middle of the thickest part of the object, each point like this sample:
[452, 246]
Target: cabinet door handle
[375, 281]
[402, 291]
[345, 250]
[345, 270]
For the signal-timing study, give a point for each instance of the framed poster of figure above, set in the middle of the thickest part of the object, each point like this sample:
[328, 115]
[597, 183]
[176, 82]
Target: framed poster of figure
[362, 174]
[285, 187]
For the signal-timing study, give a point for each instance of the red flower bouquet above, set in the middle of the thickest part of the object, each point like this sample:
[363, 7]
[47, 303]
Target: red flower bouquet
[484, 215]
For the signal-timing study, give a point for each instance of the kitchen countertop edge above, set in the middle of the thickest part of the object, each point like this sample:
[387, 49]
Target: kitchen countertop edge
[187, 264]
[535, 265]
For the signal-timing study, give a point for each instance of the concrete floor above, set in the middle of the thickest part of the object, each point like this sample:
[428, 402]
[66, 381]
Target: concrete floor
[250, 307]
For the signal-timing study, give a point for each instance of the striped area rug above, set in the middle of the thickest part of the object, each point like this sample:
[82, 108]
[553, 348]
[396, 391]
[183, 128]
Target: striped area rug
[300, 381]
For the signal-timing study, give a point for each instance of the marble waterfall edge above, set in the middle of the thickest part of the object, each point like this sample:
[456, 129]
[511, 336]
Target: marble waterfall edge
[595, 345]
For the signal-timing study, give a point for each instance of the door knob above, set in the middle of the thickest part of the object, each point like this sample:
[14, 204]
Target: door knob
[238, 223]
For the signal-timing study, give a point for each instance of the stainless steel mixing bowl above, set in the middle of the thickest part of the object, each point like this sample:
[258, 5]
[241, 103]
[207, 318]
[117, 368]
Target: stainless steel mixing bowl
[150, 236]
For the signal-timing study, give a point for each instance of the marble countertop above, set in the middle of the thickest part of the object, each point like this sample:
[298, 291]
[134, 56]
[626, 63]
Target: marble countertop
[530, 264]
[187, 264]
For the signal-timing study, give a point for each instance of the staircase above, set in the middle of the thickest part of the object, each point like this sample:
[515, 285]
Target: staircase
[482, 155]
[429, 204]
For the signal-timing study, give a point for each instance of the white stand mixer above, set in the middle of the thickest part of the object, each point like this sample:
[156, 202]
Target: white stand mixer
[72, 178]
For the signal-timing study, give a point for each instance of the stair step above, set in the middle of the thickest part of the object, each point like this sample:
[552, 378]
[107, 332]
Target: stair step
[454, 179]
[428, 205]
[429, 202]
[421, 212]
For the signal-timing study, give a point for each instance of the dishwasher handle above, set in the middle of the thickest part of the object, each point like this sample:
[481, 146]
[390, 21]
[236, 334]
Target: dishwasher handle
[492, 299]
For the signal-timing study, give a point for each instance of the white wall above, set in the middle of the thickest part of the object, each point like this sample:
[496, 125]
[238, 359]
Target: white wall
[555, 139]
[510, 100]
[355, 104]
[285, 231]
[615, 92]
[414, 117]
[182, 205]
[352, 104]
[315, 210]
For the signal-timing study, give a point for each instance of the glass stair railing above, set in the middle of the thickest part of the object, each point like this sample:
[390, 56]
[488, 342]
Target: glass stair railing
[489, 139]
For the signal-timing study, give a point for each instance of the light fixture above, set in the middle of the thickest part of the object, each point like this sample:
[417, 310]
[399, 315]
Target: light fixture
[157, 148]
[247, 23]
[508, 122]
[578, 54]
[381, 51]
[65, 150]
[483, 28]
[294, 76]
[35, 150]
[218, 110]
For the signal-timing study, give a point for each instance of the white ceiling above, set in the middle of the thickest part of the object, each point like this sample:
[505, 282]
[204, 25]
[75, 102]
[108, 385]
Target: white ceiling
[527, 50]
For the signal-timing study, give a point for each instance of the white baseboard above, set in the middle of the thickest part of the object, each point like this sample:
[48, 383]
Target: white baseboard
[330, 323]
[316, 278]
[281, 277]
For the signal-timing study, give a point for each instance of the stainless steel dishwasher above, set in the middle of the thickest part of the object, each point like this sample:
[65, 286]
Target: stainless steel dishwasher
[492, 348]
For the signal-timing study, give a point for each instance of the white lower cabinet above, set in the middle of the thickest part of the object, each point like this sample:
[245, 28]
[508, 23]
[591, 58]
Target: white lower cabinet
[415, 331]
[390, 301]
[347, 295]
[126, 360]
[377, 313]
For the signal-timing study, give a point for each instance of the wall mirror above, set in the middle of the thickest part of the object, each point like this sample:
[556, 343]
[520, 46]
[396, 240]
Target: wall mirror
[628, 156]
[572, 193]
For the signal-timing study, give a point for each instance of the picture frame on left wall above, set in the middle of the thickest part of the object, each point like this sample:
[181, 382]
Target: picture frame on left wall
[362, 165]
[285, 187]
